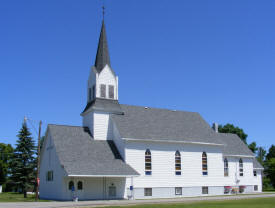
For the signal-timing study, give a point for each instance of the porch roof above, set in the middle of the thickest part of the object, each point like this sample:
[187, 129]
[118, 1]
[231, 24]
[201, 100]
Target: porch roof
[81, 155]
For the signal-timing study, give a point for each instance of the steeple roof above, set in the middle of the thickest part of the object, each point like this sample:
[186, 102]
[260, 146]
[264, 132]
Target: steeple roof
[102, 55]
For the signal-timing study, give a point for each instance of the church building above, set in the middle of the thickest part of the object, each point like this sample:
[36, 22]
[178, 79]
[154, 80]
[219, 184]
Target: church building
[134, 152]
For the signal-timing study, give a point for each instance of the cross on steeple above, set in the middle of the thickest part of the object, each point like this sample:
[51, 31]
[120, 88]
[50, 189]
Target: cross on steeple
[103, 11]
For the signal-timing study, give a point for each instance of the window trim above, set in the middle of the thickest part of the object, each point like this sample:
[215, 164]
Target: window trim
[241, 172]
[103, 90]
[176, 193]
[109, 91]
[226, 167]
[49, 175]
[204, 164]
[81, 185]
[148, 162]
[146, 192]
[177, 163]
[94, 91]
[69, 185]
[203, 188]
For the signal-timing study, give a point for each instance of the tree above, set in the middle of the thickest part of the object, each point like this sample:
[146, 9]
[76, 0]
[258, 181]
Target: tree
[270, 170]
[261, 153]
[253, 147]
[6, 151]
[230, 128]
[23, 161]
[271, 152]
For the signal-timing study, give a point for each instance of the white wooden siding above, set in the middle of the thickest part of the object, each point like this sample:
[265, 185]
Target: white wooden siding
[120, 144]
[102, 126]
[88, 121]
[163, 164]
[50, 162]
[108, 78]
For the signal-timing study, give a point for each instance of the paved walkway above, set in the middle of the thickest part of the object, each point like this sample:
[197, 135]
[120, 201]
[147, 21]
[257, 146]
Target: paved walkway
[127, 202]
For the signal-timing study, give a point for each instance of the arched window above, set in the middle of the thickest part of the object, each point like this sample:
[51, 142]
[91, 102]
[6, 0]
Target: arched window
[79, 185]
[204, 164]
[148, 162]
[71, 185]
[225, 167]
[177, 163]
[241, 167]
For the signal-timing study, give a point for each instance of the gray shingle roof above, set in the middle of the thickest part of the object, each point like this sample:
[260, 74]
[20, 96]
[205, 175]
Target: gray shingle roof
[161, 124]
[81, 155]
[256, 164]
[101, 104]
[234, 145]
[102, 55]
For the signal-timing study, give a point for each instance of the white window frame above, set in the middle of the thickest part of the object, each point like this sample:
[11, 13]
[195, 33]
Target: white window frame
[178, 191]
[148, 191]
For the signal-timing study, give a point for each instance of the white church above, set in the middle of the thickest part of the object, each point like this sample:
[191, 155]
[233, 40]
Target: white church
[134, 152]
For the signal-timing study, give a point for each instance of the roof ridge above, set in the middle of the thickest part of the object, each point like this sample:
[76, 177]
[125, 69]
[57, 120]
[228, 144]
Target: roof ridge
[156, 108]
[65, 125]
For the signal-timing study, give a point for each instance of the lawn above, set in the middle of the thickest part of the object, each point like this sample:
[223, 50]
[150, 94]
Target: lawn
[243, 203]
[16, 197]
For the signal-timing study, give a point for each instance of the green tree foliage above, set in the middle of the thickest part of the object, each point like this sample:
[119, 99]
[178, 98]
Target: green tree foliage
[230, 128]
[6, 151]
[23, 161]
[270, 170]
[261, 153]
[271, 153]
[253, 147]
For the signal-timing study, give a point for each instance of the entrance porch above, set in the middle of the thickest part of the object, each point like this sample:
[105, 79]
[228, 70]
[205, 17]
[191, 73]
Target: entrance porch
[95, 188]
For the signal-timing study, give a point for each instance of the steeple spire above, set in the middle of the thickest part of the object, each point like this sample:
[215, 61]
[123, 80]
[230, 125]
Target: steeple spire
[102, 55]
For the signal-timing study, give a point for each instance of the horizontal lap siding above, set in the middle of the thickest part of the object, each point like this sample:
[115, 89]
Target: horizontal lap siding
[102, 126]
[50, 162]
[163, 165]
[118, 141]
[88, 121]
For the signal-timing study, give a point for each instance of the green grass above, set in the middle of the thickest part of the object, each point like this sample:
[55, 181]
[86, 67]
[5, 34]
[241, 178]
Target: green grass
[243, 203]
[16, 197]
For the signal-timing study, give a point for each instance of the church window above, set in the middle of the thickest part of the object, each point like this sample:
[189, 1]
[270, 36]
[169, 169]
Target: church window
[49, 176]
[103, 90]
[241, 167]
[255, 188]
[71, 186]
[111, 91]
[226, 167]
[79, 185]
[94, 92]
[177, 163]
[90, 94]
[148, 162]
[205, 190]
[204, 164]
[178, 191]
[147, 191]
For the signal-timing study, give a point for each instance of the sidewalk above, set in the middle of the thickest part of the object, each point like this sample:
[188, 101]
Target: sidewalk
[128, 202]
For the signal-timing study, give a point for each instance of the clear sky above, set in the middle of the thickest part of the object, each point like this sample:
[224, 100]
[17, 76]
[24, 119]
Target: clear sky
[213, 57]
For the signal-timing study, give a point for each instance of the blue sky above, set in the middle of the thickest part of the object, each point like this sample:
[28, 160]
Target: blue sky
[213, 57]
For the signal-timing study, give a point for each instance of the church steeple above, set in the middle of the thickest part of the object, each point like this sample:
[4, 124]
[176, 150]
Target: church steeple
[102, 55]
